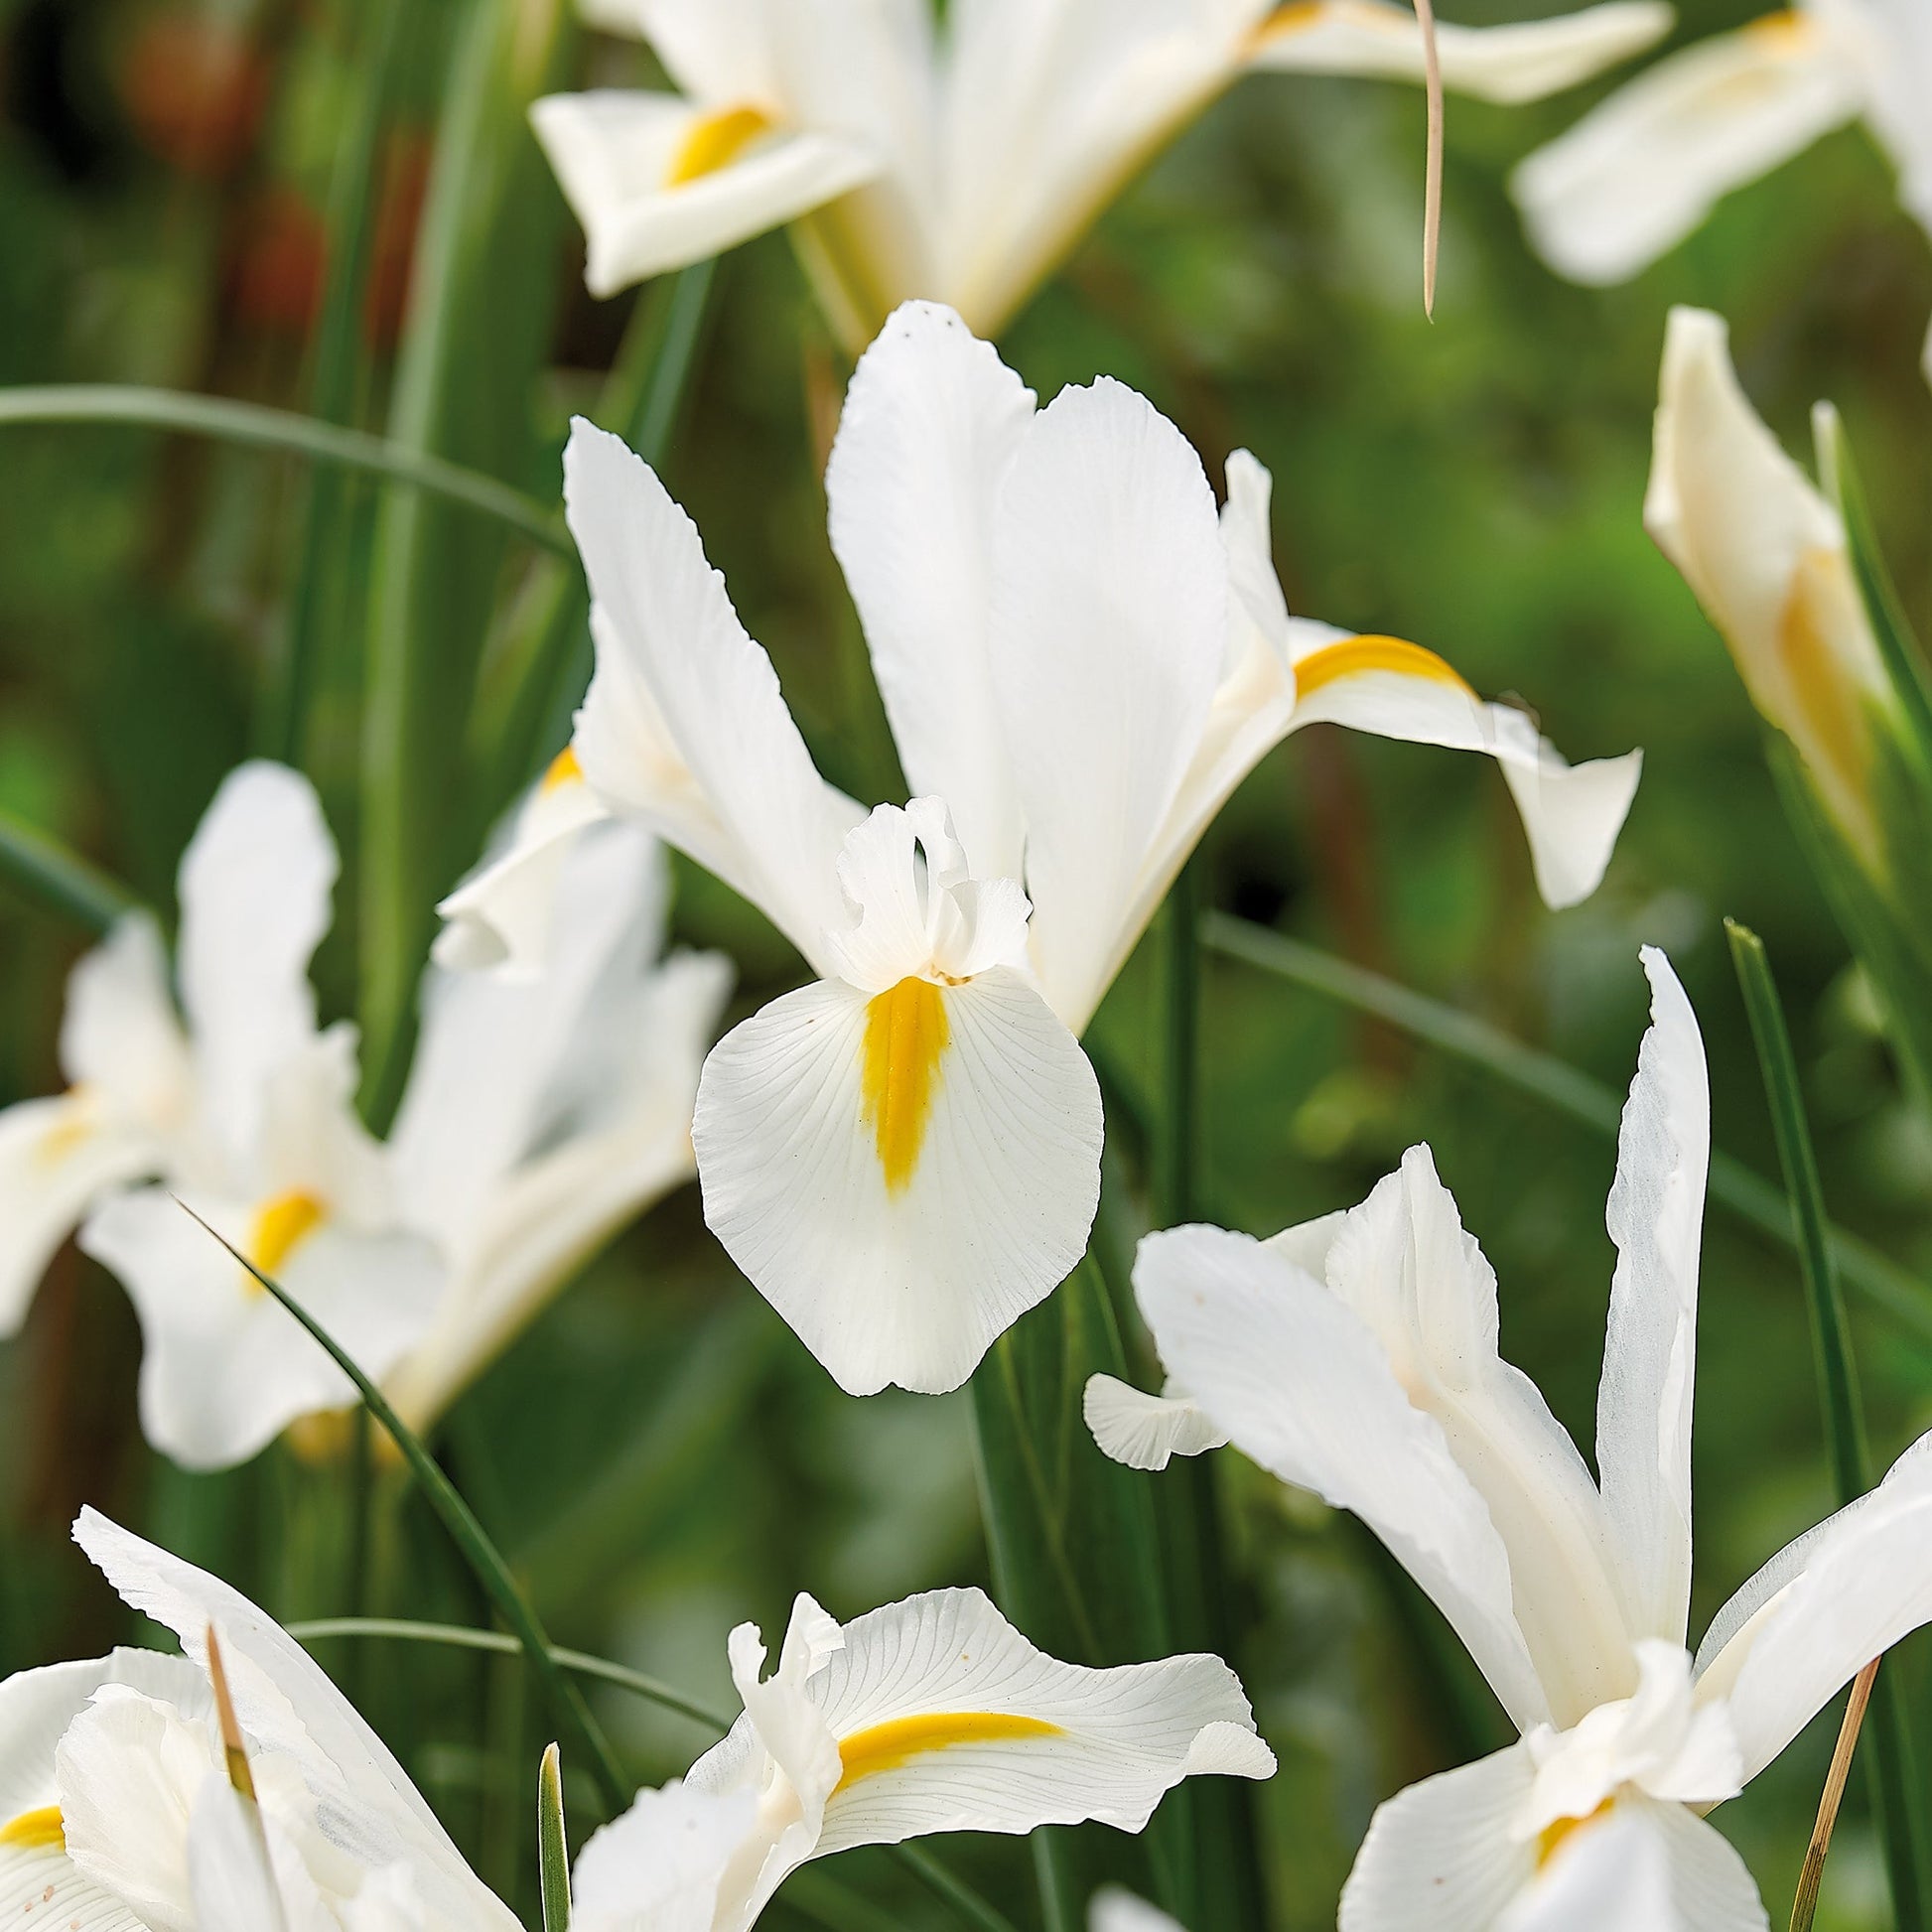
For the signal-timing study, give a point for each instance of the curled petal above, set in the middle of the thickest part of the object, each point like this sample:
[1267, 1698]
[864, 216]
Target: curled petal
[1143, 1430]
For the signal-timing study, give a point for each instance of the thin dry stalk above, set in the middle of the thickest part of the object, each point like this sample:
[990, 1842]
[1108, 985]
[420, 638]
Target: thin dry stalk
[1431, 214]
[1804, 1906]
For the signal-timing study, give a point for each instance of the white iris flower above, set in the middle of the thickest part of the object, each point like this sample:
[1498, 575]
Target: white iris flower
[961, 162]
[1357, 1357]
[1081, 659]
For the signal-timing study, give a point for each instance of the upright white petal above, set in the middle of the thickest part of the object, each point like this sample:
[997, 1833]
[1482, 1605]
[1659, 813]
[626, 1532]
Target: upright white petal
[286, 1705]
[255, 884]
[1891, 42]
[1113, 1908]
[1445, 1854]
[120, 1036]
[1522, 60]
[622, 161]
[659, 1868]
[1822, 1611]
[1145, 1431]
[230, 1877]
[1656, 1220]
[1299, 1384]
[716, 50]
[1571, 814]
[685, 724]
[932, 420]
[1109, 629]
[902, 1174]
[1639, 172]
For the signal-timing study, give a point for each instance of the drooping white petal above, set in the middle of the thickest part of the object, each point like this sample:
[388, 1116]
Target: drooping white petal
[1572, 813]
[120, 1035]
[931, 422]
[1301, 1385]
[1145, 1431]
[902, 1176]
[1522, 60]
[1109, 629]
[659, 1868]
[1891, 43]
[225, 1368]
[1819, 1611]
[58, 1156]
[1639, 172]
[1643, 1404]
[500, 916]
[1766, 556]
[1445, 1853]
[255, 884]
[949, 1719]
[618, 157]
[1113, 1908]
[286, 1705]
[685, 724]
[39, 1883]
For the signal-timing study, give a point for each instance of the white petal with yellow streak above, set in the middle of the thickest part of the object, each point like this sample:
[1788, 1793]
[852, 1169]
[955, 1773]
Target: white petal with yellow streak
[626, 163]
[1572, 813]
[900, 1231]
[1639, 172]
[1522, 60]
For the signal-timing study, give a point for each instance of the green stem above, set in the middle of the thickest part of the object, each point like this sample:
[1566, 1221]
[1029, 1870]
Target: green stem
[942, 1881]
[1559, 1086]
[483, 1555]
[257, 427]
[1895, 1790]
[46, 869]
[553, 1845]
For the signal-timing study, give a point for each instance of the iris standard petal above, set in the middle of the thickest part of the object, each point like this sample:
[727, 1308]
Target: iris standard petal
[902, 1175]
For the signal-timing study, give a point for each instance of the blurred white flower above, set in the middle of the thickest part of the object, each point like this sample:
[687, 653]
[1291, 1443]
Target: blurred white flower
[1641, 171]
[933, 1715]
[538, 1118]
[1082, 660]
[117, 1812]
[1114, 1909]
[1357, 1357]
[962, 163]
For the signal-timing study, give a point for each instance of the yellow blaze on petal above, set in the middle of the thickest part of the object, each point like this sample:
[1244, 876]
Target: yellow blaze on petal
[886, 1747]
[1302, 16]
[1351, 656]
[1790, 32]
[906, 1032]
[715, 141]
[1550, 1839]
[563, 769]
[280, 1227]
[70, 1132]
[35, 1831]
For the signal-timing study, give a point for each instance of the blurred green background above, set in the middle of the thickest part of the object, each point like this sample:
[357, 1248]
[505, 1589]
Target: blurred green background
[177, 192]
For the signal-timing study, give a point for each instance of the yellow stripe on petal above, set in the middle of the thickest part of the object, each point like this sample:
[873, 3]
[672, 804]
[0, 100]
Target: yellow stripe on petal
[1551, 1838]
[71, 1131]
[1354, 656]
[715, 141]
[281, 1227]
[1790, 32]
[35, 1831]
[563, 769]
[906, 1033]
[887, 1746]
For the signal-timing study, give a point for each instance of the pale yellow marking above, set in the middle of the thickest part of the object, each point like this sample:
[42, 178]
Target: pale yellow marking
[886, 1747]
[1303, 15]
[35, 1831]
[1825, 699]
[715, 142]
[906, 1033]
[1789, 32]
[70, 1132]
[1550, 1839]
[281, 1227]
[1352, 657]
[563, 769]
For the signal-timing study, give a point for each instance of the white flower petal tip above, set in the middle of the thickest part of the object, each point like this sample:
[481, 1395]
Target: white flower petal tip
[902, 1174]
[500, 916]
[1113, 1908]
[1144, 1432]
[1641, 171]
[1518, 62]
[663, 1864]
